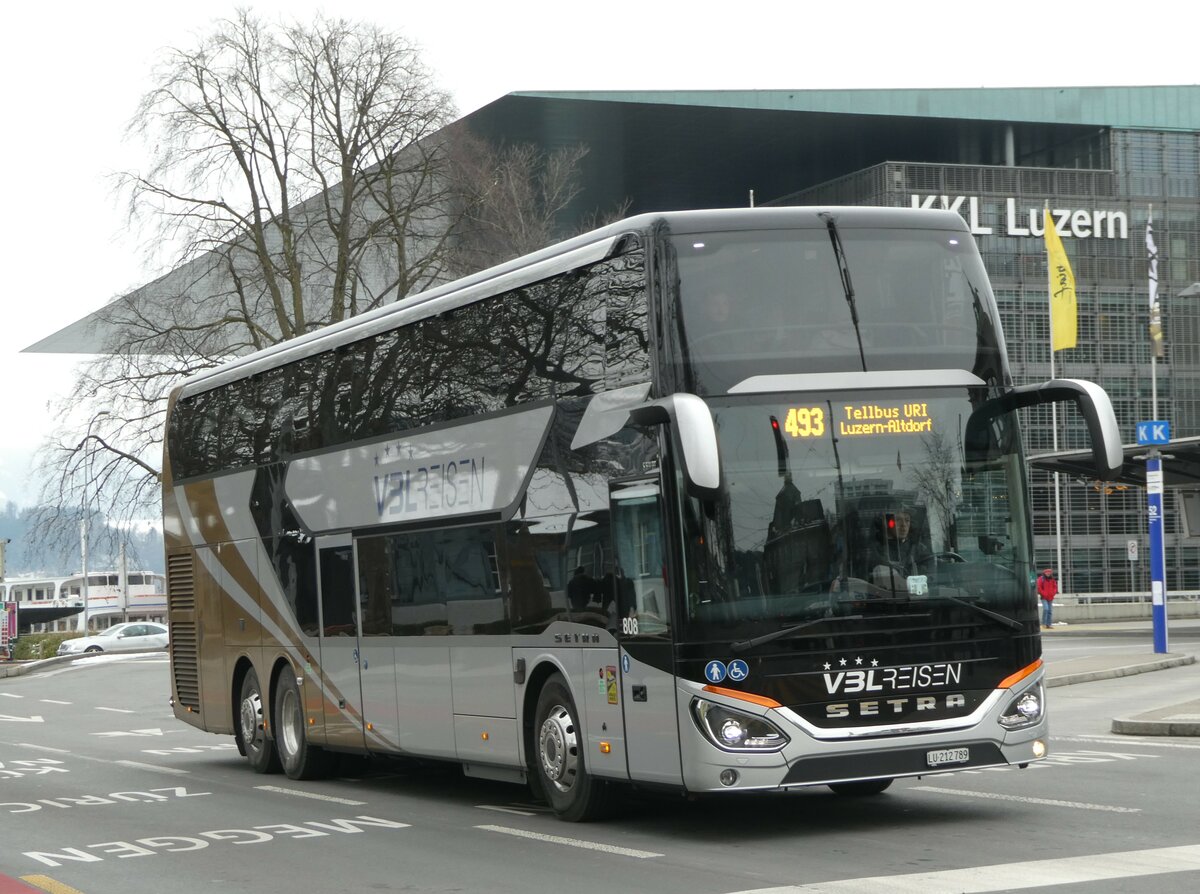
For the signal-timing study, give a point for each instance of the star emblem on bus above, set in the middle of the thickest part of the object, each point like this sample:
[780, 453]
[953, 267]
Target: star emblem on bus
[842, 662]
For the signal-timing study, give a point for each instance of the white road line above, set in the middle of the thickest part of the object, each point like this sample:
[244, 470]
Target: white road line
[573, 842]
[137, 765]
[11, 695]
[505, 810]
[279, 790]
[43, 748]
[1139, 741]
[116, 710]
[53, 701]
[1045, 802]
[1053, 874]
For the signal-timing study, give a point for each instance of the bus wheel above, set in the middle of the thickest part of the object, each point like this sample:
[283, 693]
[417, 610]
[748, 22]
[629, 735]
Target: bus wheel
[861, 789]
[559, 757]
[299, 759]
[251, 729]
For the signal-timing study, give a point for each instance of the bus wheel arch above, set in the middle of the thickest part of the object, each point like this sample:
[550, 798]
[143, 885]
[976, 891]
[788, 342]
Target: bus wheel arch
[249, 720]
[533, 689]
[298, 758]
[558, 756]
[235, 698]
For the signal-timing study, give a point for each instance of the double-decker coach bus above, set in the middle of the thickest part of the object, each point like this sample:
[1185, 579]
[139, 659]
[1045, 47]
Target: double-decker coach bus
[713, 500]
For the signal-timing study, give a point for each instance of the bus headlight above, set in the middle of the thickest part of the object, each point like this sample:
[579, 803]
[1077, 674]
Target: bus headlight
[733, 730]
[1024, 710]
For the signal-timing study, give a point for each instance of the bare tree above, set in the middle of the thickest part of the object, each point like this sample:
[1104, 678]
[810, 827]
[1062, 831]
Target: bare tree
[939, 480]
[299, 175]
[515, 199]
[295, 173]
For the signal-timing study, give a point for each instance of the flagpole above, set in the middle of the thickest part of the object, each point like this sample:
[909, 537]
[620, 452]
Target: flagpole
[1154, 474]
[1153, 276]
[1048, 221]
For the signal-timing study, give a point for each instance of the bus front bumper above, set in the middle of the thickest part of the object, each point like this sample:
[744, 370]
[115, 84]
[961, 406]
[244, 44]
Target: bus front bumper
[809, 760]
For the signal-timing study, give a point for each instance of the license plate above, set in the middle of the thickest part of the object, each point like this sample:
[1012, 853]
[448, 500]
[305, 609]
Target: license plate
[945, 756]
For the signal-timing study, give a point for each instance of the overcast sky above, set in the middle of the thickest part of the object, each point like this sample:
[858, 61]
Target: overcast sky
[73, 73]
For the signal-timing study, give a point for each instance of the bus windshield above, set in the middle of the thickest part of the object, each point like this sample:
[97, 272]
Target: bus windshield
[776, 301]
[858, 504]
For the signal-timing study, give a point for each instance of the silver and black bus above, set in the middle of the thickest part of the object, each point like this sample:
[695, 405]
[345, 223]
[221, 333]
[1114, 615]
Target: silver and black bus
[713, 500]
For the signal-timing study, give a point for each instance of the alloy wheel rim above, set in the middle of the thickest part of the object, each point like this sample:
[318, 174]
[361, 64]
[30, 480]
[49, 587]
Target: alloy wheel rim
[558, 749]
[252, 718]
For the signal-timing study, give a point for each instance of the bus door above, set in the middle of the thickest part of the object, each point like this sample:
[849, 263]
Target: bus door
[638, 587]
[339, 642]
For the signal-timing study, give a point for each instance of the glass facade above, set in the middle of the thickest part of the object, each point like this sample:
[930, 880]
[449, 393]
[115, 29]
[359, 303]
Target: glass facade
[1101, 202]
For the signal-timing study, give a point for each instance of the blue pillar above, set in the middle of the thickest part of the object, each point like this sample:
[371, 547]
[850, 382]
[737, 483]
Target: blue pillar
[1158, 582]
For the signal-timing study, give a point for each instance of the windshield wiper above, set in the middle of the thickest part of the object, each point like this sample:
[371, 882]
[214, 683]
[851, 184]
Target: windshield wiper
[987, 613]
[743, 645]
[847, 286]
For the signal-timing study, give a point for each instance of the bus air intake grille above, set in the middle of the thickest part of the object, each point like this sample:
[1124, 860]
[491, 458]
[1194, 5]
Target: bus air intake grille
[184, 664]
[181, 583]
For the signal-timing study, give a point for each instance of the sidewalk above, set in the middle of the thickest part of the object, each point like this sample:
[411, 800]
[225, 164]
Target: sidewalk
[1184, 629]
[1183, 640]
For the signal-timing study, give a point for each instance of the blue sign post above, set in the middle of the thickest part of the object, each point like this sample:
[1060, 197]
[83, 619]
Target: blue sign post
[1158, 584]
[1155, 433]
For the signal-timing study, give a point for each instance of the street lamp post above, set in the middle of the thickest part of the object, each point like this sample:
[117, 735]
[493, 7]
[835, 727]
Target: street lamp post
[83, 551]
[83, 519]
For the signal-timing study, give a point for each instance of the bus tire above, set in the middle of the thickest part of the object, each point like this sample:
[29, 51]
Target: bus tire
[299, 759]
[558, 755]
[862, 789]
[251, 727]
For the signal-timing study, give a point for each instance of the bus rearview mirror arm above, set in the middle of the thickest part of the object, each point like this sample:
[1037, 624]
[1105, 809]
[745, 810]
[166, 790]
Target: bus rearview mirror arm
[1093, 402]
[692, 426]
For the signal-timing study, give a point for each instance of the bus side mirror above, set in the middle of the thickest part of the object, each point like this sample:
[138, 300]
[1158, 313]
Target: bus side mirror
[1093, 402]
[694, 434]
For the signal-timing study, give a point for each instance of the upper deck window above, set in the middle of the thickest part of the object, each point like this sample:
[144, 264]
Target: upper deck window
[774, 301]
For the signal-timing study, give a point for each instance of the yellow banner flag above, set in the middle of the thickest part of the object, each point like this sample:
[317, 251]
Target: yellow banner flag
[1064, 323]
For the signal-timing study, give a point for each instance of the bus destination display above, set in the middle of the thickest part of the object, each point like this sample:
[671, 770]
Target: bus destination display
[852, 420]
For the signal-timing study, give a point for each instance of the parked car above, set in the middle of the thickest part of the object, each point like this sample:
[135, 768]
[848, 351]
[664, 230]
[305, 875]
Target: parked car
[118, 638]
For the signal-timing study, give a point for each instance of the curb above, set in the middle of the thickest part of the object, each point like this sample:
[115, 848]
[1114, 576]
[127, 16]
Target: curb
[21, 668]
[1132, 726]
[1097, 630]
[1127, 671]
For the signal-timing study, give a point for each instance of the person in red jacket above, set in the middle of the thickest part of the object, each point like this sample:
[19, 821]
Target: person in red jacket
[1047, 588]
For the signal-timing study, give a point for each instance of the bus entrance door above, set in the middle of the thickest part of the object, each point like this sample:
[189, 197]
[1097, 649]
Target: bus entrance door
[339, 643]
[638, 585]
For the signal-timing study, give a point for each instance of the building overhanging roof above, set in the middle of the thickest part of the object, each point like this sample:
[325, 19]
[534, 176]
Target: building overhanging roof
[1180, 463]
[1167, 107]
[678, 149]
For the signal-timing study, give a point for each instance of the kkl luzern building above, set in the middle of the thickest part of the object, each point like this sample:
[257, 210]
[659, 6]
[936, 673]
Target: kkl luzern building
[1101, 159]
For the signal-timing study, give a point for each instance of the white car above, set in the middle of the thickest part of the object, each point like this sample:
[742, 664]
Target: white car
[118, 638]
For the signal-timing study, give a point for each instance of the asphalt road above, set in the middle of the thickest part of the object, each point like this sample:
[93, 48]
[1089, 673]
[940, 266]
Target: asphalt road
[103, 791]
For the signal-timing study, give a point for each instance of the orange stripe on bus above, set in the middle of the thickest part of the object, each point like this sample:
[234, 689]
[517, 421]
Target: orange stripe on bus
[744, 696]
[1013, 679]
